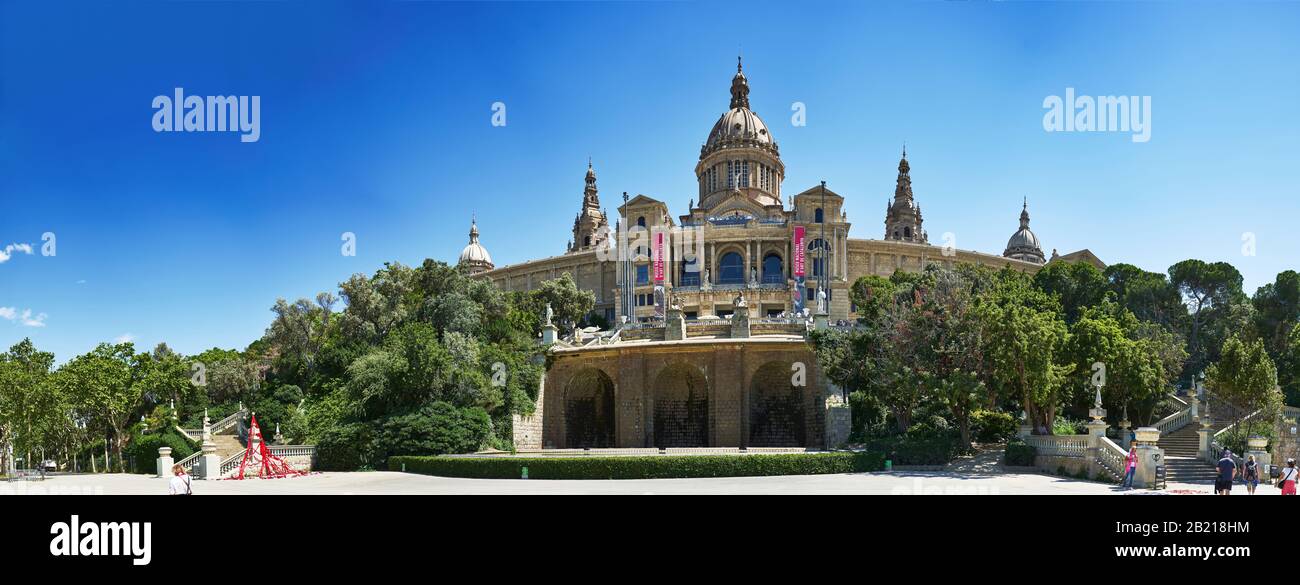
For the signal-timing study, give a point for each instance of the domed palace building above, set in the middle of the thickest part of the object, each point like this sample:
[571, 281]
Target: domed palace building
[744, 248]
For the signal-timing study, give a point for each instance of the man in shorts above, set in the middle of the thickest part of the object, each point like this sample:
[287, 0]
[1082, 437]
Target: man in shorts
[1227, 473]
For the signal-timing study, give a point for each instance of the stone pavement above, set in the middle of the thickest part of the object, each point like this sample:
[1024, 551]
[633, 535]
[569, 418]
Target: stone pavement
[385, 482]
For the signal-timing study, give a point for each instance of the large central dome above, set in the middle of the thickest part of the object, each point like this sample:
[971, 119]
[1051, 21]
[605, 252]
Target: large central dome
[740, 156]
[739, 126]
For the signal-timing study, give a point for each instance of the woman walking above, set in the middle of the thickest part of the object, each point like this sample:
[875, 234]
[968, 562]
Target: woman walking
[1251, 475]
[1287, 482]
[180, 482]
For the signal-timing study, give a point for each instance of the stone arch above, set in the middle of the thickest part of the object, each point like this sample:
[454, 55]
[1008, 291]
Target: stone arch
[681, 407]
[776, 407]
[589, 410]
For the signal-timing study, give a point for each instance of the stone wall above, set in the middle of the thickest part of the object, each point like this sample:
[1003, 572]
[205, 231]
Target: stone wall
[742, 391]
[527, 429]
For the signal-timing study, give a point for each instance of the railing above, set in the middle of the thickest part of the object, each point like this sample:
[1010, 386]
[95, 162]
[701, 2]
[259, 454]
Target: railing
[195, 435]
[292, 450]
[230, 463]
[1112, 458]
[1215, 452]
[1175, 421]
[229, 421]
[188, 463]
[1059, 445]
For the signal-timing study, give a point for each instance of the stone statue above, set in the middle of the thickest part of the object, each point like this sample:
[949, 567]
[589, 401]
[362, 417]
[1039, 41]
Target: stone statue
[550, 314]
[821, 300]
[707, 283]
[753, 275]
[676, 302]
[740, 300]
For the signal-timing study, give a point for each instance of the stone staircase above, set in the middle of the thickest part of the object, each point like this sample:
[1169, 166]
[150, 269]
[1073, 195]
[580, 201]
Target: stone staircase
[1181, 462]
[1183, 444]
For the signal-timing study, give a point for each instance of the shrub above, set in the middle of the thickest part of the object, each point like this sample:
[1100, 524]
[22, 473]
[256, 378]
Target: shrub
[993, 426]
[643, 467]
[435, 429]
[1018, 454]
[1065, 426]
[347, 447]
[143, 450]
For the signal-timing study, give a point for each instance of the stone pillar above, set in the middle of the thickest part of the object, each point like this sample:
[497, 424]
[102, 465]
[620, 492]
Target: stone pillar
[1096, 432]
[165, 462]
[549, 334]
[1196, 407]
[1258, 446]
[740, 322]
[821, 321]
[210, 462]
[1149, 456]
[674, 325]
[1206, 434]
[1025, 428]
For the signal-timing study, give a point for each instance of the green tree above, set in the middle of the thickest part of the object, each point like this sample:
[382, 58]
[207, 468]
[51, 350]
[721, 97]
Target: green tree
[1077, 285]
[1246, 376]
[1024, 336]
[1210, 291]
[1148, 295]
[107, 379]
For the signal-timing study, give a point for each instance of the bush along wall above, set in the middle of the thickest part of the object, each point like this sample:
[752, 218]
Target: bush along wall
[639, 467]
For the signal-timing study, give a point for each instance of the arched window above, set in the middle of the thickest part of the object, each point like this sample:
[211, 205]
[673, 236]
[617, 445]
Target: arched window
[586, 241]
[641, 221]
[815, 257]
[907, 232]
[772, 269]
[690, 273]
[818, 216]
[731, 269]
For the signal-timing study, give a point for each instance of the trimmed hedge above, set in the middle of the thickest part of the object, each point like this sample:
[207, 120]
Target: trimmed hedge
[640, 467]
[914, 451]
[1019, 454]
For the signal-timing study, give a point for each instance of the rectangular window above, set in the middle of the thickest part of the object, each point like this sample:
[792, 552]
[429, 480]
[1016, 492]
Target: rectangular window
[744, 173]
[643, 274]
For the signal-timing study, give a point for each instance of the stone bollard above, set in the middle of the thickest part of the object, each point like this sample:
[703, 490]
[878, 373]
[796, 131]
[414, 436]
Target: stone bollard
[165, 462]
[1258, 446]
[674, 325]
[1149, 455]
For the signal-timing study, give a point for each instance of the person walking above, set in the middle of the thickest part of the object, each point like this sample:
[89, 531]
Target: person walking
[1227, 473]
[1287, 482]
[1250, 475]
[180, 482]
[1130, 466]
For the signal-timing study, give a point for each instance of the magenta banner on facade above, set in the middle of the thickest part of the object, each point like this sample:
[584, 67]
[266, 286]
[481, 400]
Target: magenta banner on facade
[658, 252]
[798, 251]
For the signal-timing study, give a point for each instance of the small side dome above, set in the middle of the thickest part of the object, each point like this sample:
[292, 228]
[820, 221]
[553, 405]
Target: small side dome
[474, 255]
[1023, 244]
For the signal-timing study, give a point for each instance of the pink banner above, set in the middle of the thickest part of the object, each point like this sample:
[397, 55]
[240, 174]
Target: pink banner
[658, 259]
[799, 251]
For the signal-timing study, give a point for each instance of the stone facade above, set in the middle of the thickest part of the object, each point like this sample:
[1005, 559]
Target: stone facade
[764, 391]
[740, 237]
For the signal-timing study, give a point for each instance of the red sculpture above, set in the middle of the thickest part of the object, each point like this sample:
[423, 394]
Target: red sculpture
[259, 461]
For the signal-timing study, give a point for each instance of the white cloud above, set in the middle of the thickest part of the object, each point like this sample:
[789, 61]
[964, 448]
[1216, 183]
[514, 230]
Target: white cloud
[124, 338]
[30, 321]
[9, 250]
[26, 318]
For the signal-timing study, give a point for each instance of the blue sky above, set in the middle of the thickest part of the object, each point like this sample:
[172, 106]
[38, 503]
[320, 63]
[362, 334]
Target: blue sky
[375, 120]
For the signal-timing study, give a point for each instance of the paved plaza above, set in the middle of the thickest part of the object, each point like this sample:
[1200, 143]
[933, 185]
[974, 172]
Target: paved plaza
[386, 482]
